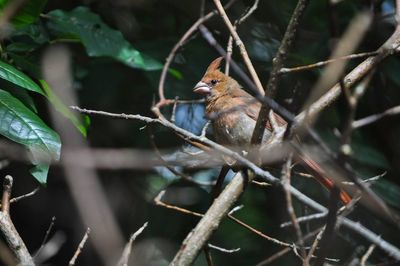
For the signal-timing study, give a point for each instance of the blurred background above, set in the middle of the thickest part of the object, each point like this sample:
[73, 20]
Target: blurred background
[102, 82]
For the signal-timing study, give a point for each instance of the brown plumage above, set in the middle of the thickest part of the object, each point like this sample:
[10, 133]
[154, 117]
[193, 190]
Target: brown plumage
[234, 112]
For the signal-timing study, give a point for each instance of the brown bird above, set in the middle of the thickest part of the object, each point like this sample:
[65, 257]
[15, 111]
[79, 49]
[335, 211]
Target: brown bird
[234, 112]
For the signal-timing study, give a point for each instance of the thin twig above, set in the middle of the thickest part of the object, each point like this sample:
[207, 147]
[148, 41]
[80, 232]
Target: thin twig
[80, 247]
[285, 70]
[257, 232]
[128, 247]
[303, 219]
[329, 232]
[352, 101]
[286, 250]
[368, 181]
[223, 250]
[30, 194]
[289, 203]
[317, 239]
[375, 117]
[159, 202]
[46, 236]
[367, 255]
[239, 21]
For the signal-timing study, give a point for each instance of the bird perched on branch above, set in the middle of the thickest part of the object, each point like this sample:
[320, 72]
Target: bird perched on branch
[234, 112]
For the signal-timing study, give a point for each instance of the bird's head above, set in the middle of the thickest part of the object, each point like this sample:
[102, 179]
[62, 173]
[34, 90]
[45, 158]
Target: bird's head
[214, 83]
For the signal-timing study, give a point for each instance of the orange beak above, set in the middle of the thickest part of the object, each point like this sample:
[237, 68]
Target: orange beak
[202, 88]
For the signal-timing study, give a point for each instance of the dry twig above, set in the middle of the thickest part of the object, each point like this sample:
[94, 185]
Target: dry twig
[229, 49]
[367, 255]
[14, 241]
[285, 70]
[286, 174]
[80, 247]
[128, 247]
[46, 236]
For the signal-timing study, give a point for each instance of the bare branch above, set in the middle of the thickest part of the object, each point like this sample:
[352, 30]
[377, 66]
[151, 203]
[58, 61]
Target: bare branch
[80, 247]
[286, 174]
[367, 255]
[46, 236]
[27, 195]
[373, 118]
[315, 216]
[285, 70]
[159, 202]
[128, 247]
[317, 239]
[229, 49]
[223, 250]
[8, 230]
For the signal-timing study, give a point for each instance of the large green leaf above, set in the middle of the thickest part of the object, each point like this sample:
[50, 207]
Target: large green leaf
[28, 14]
[98, 38]
[20, 124]
[15, 76]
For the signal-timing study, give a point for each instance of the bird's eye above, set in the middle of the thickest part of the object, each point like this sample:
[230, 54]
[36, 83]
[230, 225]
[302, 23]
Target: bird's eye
[214, 81]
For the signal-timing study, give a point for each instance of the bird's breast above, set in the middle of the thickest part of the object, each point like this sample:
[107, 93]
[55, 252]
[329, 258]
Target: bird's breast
[234, 129]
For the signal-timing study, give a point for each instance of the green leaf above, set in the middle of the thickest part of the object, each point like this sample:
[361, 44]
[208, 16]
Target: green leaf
[20, 47]
[28, 14]
[20, 124]
[176, 73]
[36, 33]
[40, 172]
[98, 38]
[15, 76]
[64, 110]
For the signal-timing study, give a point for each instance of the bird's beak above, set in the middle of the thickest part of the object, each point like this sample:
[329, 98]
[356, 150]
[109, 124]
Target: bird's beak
[202, 88]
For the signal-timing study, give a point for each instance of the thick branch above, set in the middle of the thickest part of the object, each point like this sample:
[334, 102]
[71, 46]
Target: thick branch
[8, 230]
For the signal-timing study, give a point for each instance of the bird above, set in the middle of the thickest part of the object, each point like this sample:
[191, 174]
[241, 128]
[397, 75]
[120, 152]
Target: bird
[233, 113]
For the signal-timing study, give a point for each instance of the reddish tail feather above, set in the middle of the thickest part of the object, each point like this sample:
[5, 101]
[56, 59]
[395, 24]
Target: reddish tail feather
[320, 175]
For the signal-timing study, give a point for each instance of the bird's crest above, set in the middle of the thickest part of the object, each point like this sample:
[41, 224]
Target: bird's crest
[215, 64]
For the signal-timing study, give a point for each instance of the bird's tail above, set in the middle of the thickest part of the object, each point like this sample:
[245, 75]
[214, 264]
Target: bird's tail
[321, 176]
